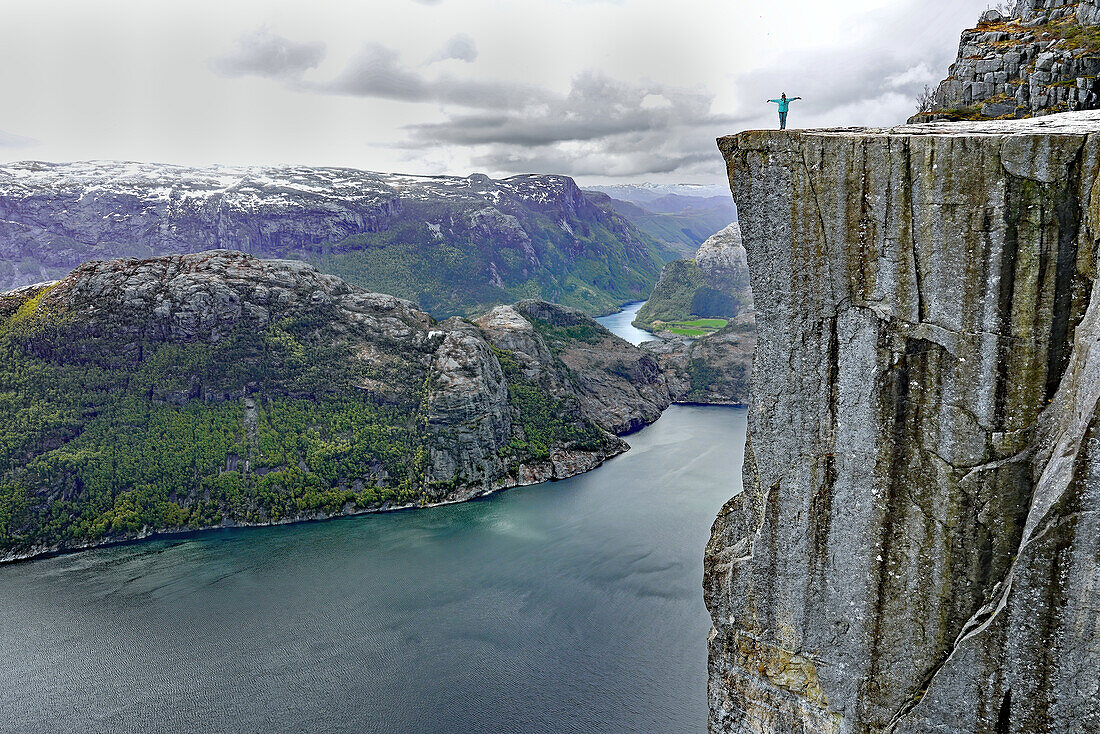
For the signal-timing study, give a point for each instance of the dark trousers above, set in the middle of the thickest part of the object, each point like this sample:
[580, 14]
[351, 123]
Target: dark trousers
[782, 120]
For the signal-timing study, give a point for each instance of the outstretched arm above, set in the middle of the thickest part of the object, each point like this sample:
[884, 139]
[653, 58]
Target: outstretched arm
[774, 100]
[792, 99]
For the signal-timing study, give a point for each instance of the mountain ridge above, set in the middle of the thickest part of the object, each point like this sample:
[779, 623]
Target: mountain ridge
[455, 245]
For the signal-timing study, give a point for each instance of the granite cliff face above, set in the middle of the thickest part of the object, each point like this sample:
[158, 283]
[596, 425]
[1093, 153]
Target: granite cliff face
[453, 245]
[215, 388]
[917, 548]
[1043, 58]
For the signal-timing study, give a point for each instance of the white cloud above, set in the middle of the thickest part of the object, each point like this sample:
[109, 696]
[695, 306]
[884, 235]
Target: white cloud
[460, 47]
[920, 74]
[262, 53]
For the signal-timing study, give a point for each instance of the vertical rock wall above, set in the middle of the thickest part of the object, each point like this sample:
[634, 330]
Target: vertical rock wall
[916, 548]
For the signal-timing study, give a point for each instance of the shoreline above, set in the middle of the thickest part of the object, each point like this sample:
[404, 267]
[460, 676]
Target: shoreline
[465, 495]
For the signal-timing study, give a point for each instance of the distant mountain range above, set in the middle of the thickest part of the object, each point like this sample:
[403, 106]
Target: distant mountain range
[453, 245]
[680, 216]
[644, 193]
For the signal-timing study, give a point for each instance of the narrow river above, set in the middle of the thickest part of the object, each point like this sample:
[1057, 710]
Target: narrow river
[572, 606]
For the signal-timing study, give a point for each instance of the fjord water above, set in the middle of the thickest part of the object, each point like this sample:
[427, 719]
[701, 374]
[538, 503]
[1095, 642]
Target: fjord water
[571, 606]
[621, 324]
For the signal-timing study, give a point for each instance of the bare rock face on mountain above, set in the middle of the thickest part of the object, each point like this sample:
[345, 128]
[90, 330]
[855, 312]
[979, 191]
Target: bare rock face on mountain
[621, 387]
[723, 260]
[1042, 58]
[189, 391]
[712, 370]
[451, 244]
[917, 548]
[711, 364]
[712, 285]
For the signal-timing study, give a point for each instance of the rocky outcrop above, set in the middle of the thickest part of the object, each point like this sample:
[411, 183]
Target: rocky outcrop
[1042, 58]
[198, 390]
[453, 245]
[712, 370]
[916, 546]
[705, 362]
[620, 387]
[713, 285]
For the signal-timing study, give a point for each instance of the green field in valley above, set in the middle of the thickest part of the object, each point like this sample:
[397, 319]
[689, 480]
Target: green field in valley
[693, 328]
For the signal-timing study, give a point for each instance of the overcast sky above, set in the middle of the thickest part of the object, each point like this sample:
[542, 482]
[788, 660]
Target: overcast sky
[607, 91]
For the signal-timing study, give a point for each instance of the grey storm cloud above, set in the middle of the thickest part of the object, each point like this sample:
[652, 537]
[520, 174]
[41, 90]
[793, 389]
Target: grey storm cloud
[460, 47]
[11, 140]
[600, 126]
[844, 81]
[267, 55]
[596, 107]
[604, 162]
[879, 75]
[377, 72]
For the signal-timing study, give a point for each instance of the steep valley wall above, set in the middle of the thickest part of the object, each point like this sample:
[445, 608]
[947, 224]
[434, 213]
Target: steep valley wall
[917, 548]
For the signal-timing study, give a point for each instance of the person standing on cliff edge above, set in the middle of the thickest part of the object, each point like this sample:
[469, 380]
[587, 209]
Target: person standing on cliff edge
[784, 105]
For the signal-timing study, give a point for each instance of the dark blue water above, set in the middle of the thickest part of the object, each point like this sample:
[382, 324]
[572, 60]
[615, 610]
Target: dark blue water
[573, 606]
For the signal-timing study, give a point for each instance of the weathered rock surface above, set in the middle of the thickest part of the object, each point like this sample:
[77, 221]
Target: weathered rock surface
[712, 370]
[620, 389]
[454, 245]
[916, 547]
[455, 409]
[1043, 58]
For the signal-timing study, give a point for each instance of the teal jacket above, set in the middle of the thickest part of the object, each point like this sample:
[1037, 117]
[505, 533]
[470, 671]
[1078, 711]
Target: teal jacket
[784, 104]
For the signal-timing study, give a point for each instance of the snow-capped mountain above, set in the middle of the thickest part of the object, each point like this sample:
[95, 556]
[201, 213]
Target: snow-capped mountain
[454, 244]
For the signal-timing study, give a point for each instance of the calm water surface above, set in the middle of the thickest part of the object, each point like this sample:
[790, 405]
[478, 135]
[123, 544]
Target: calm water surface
[573, 606]
[620, 323]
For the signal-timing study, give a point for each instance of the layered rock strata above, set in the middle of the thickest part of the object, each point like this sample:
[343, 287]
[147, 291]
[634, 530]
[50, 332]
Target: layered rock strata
[1042, 58]
[917, 547]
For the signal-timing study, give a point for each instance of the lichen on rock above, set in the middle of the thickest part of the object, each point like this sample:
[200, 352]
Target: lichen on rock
[1041, 58]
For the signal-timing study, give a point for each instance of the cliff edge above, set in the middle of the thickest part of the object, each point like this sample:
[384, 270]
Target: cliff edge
[916, 547]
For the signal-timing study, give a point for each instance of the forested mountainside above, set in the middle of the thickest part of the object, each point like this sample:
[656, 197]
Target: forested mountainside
[452, 245]
[189, 391]
[679, 222]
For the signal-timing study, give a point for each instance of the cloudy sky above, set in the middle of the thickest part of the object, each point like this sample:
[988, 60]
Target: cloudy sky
[605, 90]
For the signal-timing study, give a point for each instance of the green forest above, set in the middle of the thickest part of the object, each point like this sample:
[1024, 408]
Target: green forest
[590, 267]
